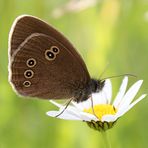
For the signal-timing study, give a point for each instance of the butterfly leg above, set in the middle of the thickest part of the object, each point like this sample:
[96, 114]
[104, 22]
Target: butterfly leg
[92, 105]
[67, 104]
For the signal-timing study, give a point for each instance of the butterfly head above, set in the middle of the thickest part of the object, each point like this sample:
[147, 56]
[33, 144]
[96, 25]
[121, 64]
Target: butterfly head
[96, 85]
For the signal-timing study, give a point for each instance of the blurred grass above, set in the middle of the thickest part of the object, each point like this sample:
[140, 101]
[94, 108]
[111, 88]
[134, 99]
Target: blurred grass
[114, 31]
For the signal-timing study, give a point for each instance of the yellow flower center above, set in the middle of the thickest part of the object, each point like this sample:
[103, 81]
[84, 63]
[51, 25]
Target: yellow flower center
[101, 109]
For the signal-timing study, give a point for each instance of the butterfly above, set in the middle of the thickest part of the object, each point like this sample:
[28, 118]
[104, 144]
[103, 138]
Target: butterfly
[44, 64]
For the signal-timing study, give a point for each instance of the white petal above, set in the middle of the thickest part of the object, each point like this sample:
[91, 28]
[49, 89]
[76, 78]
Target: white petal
[99, 98]
[65, 115]
[131, 93]
[88, 117]
[121, 92]
[70, 111]
[109, 118]
[62, 107]
[72, 108]
[56, 104]
[136, 101]
[108, 90]
[124, 110]
[85, 104]
[77, 105]
[81, 114]
[69, 114]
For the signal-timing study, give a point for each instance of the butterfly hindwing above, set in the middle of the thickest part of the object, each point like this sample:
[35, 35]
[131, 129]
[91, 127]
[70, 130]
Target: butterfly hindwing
[43, 67]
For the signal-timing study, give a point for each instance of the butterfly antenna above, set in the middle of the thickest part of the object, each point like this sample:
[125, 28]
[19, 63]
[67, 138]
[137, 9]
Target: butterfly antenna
[104, 71]
[126, 74]
[67, 104]
[92, 106]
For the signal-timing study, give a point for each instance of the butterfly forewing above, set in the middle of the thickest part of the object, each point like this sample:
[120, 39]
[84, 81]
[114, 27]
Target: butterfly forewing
[26, 25]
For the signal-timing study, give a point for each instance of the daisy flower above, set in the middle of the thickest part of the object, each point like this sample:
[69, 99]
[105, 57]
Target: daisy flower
[105, 110]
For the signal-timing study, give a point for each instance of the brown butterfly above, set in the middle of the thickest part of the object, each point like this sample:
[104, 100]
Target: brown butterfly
[44, 64]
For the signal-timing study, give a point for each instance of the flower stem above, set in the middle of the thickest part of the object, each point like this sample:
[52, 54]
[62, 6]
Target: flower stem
[105, 139]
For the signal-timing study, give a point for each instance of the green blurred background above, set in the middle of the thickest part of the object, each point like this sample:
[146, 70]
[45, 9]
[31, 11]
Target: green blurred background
[114, 31]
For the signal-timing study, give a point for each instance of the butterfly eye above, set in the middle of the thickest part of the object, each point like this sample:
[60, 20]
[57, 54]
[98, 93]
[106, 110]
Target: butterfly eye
[55, 49]
[27, 83]
[31, 62]
[28, 74]
[49, 55]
